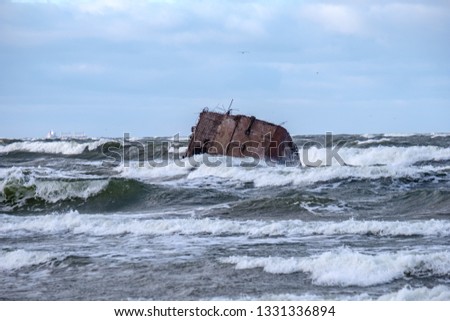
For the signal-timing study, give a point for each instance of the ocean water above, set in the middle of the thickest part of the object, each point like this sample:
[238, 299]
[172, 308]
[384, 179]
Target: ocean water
[103, 219]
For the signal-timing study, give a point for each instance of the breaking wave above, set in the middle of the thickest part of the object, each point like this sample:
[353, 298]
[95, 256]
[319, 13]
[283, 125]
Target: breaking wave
[371, 163]
[43, 190]
[53, 147]
[407, 293]
[20, 187]
[282, 176]
[394, 156]
[11, 260]
[346, 267]
[141, 225]
[373, 229]
[438, 293]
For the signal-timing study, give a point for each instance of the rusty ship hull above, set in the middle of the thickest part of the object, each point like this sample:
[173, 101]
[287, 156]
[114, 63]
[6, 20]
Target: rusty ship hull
[241, 136]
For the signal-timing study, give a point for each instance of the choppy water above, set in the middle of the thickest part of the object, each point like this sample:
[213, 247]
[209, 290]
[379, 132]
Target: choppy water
[77, 225]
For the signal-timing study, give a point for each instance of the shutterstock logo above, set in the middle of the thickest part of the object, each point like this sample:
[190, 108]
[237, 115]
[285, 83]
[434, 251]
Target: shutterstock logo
[168, 151]
[331, 152]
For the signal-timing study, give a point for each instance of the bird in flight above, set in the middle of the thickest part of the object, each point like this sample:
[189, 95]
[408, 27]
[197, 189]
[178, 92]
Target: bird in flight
[243, 52]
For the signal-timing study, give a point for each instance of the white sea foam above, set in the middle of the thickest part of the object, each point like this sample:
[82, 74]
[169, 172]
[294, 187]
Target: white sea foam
[346, 267]
[35, 183]
[180, 150]
[399, 135]
[141, 225]
[147, 171]
[369, 163]
[54, 192]
[281, 176]
[331, 208]
[11, 260]
[373, 141]
[270, 297]
[381, 155]
[40, 172]
[53, 147]
[435, 135]
[295, 297]
[393, 156]
[438, 293]
[395, 162]
[369, 136]
[407, 293]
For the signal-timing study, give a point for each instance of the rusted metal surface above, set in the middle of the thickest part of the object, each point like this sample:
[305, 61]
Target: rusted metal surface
[240, 136]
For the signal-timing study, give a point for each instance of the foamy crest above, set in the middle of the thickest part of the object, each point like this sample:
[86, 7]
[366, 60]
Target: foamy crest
[20, 184]
[147, 171]
[295, 297]
[373, 141]
[383, 228]
[180, 150]
[11, 260]
[435, 135]
[369, 163]
[280, 176]
[59, 147]
[115, 225]
[438, 293]
[393, 156]
[54, 192]
[141, 225]
[398, 135]
[346, 267]
[269, 297]
[53, 223]
[380, 155]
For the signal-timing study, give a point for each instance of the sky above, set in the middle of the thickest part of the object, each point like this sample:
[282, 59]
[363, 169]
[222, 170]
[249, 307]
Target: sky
[147, 68]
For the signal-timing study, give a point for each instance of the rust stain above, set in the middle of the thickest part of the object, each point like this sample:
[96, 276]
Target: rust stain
[240, 136]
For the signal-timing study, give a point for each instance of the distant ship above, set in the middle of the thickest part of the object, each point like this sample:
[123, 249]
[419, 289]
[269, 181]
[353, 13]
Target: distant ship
[51, 135]
[241, 136]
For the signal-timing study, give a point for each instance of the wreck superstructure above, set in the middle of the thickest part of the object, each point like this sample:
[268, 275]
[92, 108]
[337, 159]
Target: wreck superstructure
[241, 136]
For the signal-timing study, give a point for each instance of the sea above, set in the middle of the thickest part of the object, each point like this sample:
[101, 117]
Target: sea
[130, 219]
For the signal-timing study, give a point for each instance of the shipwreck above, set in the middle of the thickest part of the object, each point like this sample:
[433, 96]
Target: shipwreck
[241, 136]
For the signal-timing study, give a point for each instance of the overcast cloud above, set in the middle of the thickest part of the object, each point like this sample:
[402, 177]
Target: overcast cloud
[148, 67]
